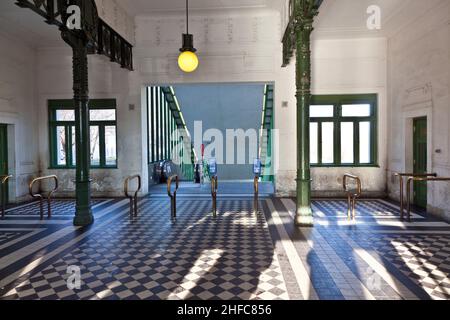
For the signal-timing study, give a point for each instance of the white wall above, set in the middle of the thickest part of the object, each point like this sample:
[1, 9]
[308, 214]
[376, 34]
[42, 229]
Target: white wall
[19, 110]
[244, 47]
[419, 79]
[355, 66]
[106, 81]
[352, 66]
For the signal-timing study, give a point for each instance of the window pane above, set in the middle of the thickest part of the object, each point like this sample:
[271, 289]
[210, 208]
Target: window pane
[155, 133]
[103, 115]
[110, 145]
[61, 156]
[314, 141]
[356, 110]
[364, 143]
[95, 146]
[347, 146]
[327, 142]
[65, 115]
[74, 149]
[321, 111]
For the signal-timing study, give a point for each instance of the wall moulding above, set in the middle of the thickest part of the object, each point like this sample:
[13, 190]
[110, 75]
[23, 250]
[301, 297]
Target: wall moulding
[418, 97]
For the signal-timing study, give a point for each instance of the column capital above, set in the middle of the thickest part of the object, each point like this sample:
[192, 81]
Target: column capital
[299, 27]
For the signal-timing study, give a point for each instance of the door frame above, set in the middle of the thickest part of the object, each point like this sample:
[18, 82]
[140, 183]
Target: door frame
[4, 128]
[415, 155]
[411, 112]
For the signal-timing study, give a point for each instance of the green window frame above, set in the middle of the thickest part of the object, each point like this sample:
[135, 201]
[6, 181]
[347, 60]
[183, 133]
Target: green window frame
[67, 128]
[360, 131]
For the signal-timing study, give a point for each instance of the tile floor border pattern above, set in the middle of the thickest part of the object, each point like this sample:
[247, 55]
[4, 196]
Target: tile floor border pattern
[31, 253]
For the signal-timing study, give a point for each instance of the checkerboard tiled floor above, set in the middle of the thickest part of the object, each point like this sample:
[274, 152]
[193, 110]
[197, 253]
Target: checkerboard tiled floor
[239, 255]
[197, 258]
[423, 258]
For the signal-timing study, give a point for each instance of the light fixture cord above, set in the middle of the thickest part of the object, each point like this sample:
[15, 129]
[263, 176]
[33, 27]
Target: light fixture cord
[187, 16]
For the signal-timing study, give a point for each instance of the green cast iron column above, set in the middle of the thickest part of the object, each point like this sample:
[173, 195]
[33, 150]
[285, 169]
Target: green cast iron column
[83, 214]
[303, 29]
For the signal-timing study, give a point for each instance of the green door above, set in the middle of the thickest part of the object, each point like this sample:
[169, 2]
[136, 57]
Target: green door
[3, 158]
[420, 160]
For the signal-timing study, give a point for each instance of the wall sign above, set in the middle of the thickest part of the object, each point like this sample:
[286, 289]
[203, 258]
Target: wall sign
[257, 167]
[213, 167]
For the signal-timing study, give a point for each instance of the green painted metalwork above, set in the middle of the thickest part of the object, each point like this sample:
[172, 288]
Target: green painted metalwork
[265, 153]
[3, 162]
[104, 39]
[165, 142]
[297, 38]
[337, 101]
[300, 11]
[69, 127]
[420, 151]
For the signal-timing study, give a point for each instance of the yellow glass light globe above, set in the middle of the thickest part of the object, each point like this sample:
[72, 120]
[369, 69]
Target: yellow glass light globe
[188, 61]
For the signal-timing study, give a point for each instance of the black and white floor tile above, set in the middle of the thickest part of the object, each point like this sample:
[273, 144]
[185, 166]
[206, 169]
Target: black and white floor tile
[238, 255]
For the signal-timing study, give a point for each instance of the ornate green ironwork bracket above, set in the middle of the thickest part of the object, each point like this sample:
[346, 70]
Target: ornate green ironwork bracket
[298, 11]
[297, 38]
[104, 40]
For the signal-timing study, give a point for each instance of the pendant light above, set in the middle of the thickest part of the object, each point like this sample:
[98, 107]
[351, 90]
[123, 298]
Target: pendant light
[188, 60]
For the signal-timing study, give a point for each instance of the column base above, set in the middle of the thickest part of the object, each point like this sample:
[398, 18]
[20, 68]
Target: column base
[84, 219]
[83, 214]
[304, 217]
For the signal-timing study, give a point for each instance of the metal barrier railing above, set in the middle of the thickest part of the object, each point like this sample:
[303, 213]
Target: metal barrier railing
[408, 187]
[214, 188]
[41, 197]
[352, 195]
[173, 196]
[256, 194]
[401, 181]
[133, 198]
[3, 192]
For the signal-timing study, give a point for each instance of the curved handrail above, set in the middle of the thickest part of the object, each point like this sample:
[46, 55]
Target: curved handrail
[418, 175]
[173, 197]
[408, 187]
[352, 196]
[133, 198]
[214, 188]
[3, 180]
[358, 182]
[169, 186]
[401, 175]
[41, 197]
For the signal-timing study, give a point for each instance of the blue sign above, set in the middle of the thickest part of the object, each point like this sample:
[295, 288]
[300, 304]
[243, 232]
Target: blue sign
[257, 167]
[213, 167]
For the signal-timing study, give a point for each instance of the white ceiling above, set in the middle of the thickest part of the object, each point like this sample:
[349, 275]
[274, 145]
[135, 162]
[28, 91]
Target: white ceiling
[337, 18]
[148, 7]
[25, 25]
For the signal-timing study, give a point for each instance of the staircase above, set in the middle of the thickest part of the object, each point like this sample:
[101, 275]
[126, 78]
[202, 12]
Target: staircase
[265, 147]
[187, 168]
